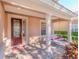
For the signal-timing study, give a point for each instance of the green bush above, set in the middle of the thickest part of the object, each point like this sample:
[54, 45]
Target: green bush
[64, 34]
[71, 51]
[75, 33]
[60, 32]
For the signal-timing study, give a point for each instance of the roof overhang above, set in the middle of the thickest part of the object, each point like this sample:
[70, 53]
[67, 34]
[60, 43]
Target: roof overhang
[35, 6]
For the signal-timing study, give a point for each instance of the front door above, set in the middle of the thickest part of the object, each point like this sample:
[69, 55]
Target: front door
[16, 31]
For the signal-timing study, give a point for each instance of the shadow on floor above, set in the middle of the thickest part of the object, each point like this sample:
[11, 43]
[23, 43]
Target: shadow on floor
[40, 51]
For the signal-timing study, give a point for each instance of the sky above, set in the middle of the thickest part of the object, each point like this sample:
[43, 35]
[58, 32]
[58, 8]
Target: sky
[70, 4]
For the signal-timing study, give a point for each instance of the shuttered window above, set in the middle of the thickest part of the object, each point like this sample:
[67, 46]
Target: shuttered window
[43, 28]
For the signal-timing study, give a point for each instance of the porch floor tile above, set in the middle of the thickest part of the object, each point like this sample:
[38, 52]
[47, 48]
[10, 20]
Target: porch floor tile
[35, 52]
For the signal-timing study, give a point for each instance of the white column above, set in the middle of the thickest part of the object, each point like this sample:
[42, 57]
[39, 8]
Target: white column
[27, 31]
[70, 31]
[52, 28]
[48, 28]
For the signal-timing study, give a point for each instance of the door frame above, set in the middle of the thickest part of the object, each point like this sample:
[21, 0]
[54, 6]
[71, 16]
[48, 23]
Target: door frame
[9, 26]
[20, 35]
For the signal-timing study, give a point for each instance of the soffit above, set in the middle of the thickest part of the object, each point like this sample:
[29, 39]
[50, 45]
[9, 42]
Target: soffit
[26, 12]
[38, 6]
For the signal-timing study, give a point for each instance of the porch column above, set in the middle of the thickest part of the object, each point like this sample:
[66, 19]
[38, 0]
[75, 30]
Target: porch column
[48, 28]
[52, 28]
[70, 31]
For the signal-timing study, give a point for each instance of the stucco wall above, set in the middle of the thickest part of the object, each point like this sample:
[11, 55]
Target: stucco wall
[2, 17]
[61, 26]
[6, 25]
[34, 28]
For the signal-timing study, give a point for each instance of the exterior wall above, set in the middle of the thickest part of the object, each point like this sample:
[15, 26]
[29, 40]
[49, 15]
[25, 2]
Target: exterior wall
[2, 17]
[34, 28]
[61, 26]
[6, 25]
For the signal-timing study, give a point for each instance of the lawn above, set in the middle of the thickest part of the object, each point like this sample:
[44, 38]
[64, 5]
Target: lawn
[64, 34]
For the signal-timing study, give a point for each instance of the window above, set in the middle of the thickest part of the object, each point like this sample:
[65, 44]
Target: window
[43, 28]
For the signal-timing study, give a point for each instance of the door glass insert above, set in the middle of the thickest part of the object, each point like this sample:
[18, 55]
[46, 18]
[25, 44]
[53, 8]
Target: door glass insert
[16, 28]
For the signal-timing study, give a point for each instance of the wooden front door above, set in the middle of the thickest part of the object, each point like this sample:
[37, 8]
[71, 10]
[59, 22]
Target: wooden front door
[16, 31]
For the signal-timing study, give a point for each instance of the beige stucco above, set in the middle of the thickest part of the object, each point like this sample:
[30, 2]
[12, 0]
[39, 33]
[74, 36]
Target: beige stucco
[2, 17]
[34, 28]
[6, 25]
[63, 25]
[60, 26]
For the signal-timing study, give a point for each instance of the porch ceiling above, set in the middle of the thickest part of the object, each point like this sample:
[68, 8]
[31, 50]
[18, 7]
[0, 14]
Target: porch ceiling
[59, 19]
[22, 11]
[34, 8]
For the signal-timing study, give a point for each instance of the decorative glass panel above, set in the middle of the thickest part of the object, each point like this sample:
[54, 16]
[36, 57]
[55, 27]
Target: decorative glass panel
[16, 28]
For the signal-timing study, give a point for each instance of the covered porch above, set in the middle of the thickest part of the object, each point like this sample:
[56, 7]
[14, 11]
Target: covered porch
[36, 25]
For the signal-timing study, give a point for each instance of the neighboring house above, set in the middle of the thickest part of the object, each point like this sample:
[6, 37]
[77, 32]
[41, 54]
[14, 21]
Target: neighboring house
[75, 23]
[24, 21]
[75, 26]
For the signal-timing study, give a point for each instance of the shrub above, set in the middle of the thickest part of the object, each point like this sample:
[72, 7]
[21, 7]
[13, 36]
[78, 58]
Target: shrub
[71, 51]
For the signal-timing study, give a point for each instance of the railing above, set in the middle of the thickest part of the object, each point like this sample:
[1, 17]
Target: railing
[58, 6]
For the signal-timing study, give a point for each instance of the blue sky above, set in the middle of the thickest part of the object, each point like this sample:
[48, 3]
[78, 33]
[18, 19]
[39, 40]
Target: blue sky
[70, 4]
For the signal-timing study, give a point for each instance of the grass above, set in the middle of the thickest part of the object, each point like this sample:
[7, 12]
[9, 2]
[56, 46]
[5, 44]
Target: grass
[64, 35]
